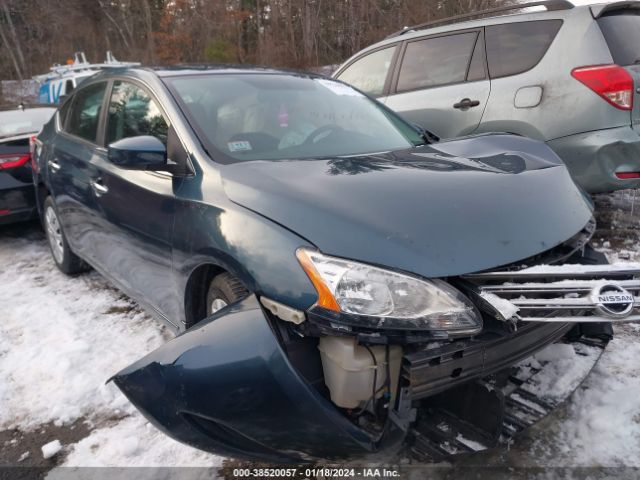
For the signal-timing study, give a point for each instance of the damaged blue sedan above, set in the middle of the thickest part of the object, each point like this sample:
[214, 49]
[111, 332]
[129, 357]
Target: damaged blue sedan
[343, 284]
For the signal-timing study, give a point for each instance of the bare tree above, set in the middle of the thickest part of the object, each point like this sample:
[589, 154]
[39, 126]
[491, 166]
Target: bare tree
[292, 33]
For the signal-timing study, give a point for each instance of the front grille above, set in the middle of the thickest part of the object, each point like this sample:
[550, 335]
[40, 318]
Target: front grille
[565, 293]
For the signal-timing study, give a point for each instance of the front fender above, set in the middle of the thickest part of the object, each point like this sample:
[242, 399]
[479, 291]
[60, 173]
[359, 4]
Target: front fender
[226, 386]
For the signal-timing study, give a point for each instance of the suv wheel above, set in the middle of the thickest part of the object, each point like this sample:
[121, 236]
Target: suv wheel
[67, 261]
[224, 290]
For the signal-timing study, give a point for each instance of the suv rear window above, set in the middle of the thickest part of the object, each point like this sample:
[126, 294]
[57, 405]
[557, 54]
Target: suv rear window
[514, 48]
[621, 30]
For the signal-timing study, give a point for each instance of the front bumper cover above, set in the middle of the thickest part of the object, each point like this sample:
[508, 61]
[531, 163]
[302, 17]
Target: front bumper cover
[227, 386]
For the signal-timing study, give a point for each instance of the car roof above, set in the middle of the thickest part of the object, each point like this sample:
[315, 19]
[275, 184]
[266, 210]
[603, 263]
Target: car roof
[188, 70]
[181, 70]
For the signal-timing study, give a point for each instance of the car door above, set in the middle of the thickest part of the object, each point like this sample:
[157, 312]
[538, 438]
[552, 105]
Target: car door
[441, 83]
[69, 168]
[136, 206]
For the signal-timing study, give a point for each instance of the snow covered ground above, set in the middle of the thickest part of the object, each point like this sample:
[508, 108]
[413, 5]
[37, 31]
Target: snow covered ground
[61, 338]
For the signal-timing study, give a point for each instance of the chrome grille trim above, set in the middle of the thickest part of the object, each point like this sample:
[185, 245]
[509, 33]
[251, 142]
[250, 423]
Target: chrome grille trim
[554, 293]
[567, 286]
[581, 319]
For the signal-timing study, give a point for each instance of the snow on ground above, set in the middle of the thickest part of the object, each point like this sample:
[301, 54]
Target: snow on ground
[566, 366]
[60, 340]
[603, 423]
[127, 442]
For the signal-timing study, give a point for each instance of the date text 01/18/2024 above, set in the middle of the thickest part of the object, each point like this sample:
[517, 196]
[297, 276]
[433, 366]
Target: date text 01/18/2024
[313, 472]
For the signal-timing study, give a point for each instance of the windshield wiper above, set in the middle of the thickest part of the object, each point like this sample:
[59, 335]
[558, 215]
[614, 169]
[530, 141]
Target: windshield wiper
[426, 135]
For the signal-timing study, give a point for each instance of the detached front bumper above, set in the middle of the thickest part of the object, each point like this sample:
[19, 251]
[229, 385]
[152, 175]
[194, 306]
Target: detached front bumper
[226, 386]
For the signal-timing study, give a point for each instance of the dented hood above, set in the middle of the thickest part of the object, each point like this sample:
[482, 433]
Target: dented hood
[446, 209]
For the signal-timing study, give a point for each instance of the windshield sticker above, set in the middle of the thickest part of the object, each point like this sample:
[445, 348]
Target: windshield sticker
[339, 88]
[239, 146]
[283, 117]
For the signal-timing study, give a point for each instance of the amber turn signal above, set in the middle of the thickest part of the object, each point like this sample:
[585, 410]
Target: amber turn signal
[325, 297]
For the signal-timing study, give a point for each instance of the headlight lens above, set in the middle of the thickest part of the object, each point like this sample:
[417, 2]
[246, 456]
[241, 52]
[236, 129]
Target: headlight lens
[388, 299]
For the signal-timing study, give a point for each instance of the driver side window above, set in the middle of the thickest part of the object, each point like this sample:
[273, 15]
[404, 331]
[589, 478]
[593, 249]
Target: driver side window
[132, 112]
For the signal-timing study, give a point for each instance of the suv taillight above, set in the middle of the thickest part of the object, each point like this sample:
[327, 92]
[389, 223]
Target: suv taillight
[611, 82]
[15, 160]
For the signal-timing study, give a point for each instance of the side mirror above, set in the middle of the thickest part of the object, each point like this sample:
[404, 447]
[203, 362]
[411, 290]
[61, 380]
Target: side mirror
[138, 153]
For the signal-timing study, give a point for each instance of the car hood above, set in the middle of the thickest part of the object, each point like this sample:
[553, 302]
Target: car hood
[438, 210]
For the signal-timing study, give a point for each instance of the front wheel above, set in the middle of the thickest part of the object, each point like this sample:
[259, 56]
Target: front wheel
[224, 290]
[67, 261]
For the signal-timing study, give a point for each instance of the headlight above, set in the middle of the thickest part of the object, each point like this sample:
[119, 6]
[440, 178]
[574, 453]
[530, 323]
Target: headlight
[377, 298]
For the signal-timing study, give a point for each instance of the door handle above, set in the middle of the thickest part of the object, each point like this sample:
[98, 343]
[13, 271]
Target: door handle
[53, 165]
[466, 104]
[98, 187]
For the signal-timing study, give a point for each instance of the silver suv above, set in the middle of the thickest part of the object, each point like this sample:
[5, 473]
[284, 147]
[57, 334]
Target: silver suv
[569, 76]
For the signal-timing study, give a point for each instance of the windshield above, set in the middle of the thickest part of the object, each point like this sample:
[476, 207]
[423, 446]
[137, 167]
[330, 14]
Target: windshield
[19, 122]
[285, 116]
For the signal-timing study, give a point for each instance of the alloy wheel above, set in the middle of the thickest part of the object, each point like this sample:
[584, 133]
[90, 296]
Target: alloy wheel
[54, 234]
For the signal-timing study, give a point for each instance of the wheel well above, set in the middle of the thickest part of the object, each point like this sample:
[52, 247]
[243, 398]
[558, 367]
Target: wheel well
[195, 301]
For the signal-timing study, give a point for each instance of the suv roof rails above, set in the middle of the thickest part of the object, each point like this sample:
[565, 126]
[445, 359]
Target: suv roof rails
[80, 64]
[550, 5]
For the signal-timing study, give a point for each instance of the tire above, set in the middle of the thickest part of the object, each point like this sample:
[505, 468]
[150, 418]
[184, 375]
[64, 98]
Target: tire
[67, 261]
[224, 290]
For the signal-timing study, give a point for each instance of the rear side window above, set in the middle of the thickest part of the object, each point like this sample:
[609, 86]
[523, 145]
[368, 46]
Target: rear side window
[621, 30]
[514, 48]
[477, 65]
[436, 61]
[85, 112]
[369, 73]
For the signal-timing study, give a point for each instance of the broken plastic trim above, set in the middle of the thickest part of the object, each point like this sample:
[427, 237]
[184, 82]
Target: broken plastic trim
[227, 387]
